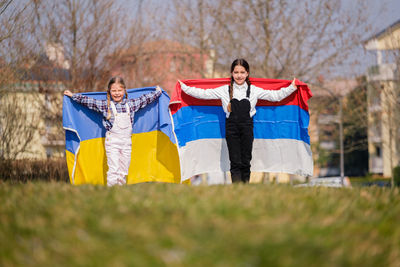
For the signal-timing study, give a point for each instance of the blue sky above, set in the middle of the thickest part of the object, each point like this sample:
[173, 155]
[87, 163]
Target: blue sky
[390, 12]
[381, 13]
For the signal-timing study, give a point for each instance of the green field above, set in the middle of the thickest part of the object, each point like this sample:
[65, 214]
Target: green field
[56, 224]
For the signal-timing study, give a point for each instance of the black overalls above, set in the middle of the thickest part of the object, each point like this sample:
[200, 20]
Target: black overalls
[239, 138]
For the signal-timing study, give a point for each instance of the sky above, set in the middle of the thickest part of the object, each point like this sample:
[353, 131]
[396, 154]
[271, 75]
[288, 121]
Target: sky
[381, 13]
[390, 12]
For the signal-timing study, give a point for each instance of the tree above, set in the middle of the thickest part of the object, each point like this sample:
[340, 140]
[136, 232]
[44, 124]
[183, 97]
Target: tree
[281, 39]
[17, 124]
[196, 24]
[355, 131]
[89, 35]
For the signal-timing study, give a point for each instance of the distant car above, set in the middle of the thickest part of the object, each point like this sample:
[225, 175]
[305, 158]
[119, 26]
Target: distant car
[378, 183]
[328, 182]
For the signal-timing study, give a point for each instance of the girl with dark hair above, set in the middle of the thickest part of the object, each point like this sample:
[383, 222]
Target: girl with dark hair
[239, 99]
[118, 114]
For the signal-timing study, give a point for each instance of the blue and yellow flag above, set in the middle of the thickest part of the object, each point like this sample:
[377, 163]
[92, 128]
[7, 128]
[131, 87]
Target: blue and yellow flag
[154, 151]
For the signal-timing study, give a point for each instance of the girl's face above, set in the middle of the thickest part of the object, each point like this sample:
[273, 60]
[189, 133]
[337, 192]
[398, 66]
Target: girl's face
[239, 74]
[117, 92]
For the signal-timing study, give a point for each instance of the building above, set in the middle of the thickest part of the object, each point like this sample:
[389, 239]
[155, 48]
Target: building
[31, 109]
[383, 101]
[30, 122]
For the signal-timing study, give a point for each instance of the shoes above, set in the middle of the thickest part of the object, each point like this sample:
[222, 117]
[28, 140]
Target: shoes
[121, 181]
[118, 181]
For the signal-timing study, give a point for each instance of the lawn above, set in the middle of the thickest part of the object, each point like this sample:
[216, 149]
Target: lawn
[57, 224]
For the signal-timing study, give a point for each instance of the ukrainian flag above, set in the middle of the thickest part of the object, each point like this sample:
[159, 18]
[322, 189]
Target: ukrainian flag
[154, 150]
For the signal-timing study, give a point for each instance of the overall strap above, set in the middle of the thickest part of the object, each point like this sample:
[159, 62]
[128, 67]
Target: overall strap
[127, 108]
[248, 91]
[113, 108]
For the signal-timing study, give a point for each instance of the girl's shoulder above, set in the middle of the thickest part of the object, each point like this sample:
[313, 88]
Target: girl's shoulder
[254, 87]
[218, 88]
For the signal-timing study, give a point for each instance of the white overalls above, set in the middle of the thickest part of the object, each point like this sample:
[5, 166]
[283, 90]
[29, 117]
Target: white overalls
[118, 146]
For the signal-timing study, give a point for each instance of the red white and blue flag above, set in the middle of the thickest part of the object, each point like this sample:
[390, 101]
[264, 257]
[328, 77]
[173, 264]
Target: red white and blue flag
[281, 140]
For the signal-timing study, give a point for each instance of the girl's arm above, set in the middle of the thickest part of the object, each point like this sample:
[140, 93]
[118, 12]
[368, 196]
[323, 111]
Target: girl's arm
[144, 100]
[275, 95]
[91, 103]
[215, 93]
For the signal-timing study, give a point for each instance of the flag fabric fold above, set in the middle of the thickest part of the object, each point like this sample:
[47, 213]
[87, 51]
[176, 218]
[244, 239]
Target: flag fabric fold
[154, 150]
[281, 140]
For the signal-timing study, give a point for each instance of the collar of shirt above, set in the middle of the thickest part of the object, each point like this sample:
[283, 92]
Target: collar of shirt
[121, 106]
[240, 87]
[239, 91]
[123, 101]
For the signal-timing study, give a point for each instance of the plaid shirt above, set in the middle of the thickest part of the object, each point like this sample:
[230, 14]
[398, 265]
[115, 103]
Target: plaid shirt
[101, 105]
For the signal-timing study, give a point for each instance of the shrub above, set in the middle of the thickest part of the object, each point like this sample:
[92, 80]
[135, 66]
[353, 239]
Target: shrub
[396, 175]
[33, 170]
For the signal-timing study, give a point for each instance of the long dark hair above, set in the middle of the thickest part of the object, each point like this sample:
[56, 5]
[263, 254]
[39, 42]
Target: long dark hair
[118, 80]
[238, 62]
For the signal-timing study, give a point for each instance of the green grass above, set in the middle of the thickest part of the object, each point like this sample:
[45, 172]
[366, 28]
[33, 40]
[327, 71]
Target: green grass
[56, 224]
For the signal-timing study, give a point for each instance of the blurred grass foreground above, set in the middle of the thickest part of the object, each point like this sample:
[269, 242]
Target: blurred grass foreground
[57, 224]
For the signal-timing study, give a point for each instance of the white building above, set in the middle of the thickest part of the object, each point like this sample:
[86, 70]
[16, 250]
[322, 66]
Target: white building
[383, 101]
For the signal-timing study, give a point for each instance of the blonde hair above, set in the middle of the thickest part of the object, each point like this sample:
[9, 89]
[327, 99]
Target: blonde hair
[117, 80]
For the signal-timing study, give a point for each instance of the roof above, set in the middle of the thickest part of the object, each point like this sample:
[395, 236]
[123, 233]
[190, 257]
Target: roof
[387, 39]
[385, 31]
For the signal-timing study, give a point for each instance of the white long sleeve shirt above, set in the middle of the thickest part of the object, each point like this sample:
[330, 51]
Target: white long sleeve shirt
[239, 93]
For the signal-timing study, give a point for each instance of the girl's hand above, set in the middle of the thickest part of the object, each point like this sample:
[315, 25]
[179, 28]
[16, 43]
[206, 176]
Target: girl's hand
[294, 83]
[68, 93]
[158, 88]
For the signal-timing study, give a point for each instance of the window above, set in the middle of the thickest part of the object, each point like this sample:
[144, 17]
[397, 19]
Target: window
[378, 151]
